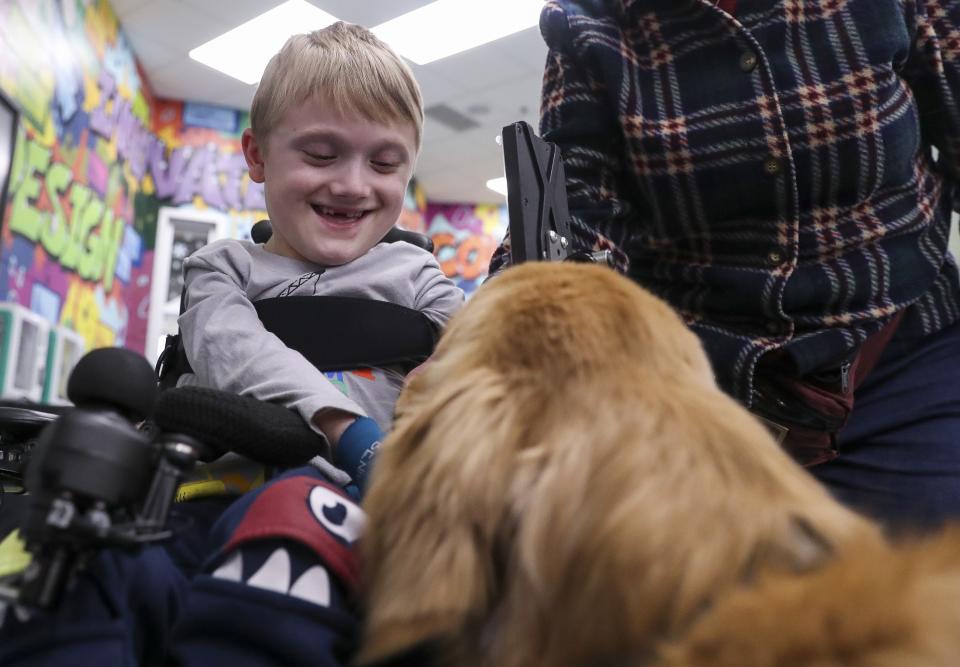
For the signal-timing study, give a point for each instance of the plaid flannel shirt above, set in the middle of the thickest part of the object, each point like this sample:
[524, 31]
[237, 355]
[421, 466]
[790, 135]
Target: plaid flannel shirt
[769, 174]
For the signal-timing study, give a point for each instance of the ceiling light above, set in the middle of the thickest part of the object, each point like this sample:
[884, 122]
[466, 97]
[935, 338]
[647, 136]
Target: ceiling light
[243, 52]
[445, 27]
[498, 185]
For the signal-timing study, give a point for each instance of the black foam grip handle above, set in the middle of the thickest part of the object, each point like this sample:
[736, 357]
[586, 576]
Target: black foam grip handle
[226, 422]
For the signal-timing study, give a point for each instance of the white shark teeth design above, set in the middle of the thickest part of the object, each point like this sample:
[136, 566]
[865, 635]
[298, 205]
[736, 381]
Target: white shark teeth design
[313, 586]
[274, 574]
[232, 569]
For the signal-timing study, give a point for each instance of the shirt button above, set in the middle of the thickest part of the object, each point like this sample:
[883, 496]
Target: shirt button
[748, 61]
[775, 257]
[772, 166]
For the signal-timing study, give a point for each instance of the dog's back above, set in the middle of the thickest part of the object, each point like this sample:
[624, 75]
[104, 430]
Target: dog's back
[875, 605]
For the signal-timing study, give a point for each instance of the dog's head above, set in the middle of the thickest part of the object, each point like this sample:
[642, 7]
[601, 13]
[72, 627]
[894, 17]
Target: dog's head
[565, 483]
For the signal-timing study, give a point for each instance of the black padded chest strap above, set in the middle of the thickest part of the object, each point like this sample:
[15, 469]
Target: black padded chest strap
[340, 333]
[333, 333]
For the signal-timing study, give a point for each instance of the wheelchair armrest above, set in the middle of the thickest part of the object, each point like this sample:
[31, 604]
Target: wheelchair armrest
[27, 420]
[20, 426]
[265, 432]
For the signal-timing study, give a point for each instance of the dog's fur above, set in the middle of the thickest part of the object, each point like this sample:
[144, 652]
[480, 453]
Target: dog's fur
[873, 606]
[566, 485]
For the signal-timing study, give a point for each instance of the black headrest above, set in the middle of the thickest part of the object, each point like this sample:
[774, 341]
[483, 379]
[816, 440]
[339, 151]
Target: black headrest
[414, 238]
[261, 231]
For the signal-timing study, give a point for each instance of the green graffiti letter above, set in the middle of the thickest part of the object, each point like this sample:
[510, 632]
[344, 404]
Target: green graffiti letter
[112, 235]
[91, 261]
[55, 233]
[25, 219]
[79, 198]
[18, 166]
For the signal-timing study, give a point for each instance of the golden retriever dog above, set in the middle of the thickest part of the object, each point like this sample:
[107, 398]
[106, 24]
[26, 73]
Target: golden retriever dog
[566, 485]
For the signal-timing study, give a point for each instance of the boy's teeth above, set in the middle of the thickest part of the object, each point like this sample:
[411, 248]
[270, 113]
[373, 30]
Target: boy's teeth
[348, 215]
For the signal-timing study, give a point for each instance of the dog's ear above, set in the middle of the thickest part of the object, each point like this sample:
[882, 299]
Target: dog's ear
[795, 547]
[806, 548]
[435, 507]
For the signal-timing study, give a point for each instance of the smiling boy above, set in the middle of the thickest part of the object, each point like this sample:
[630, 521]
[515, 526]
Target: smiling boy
[335, 132]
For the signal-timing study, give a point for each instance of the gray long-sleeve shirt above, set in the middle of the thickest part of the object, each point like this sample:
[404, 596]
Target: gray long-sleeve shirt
[229, 349]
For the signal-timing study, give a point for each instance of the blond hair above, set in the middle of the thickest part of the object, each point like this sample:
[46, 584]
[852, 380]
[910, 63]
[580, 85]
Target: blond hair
[350, 66]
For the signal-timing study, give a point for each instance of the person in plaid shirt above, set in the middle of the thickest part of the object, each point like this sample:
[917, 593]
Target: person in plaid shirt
[783, 172]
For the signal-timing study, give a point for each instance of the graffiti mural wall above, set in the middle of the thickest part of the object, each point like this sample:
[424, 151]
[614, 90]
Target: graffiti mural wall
[464, 238]
[464, 235]
[413, 217]
[96, 157]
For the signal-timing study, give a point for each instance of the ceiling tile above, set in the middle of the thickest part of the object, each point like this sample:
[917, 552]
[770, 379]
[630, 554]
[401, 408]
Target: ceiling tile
[518, 100]
[235, 12]
[150, 54]
[526, 47]
[480, 67]
[434, 132]
[368, 13]
[460, 149]
[187, 79]
[434, 86]
[173, 24]
[363, 12]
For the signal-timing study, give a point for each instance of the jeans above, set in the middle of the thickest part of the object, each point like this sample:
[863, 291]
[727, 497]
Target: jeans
[900, 449]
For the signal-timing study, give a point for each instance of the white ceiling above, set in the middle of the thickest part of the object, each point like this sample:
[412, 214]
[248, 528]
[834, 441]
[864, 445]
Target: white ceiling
[495, 84]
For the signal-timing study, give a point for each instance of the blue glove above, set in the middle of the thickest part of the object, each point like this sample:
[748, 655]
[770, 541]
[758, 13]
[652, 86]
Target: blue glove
[356, 450]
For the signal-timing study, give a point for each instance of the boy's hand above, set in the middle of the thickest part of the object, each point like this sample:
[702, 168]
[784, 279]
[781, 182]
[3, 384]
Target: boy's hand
[333, 423]
[354, 441]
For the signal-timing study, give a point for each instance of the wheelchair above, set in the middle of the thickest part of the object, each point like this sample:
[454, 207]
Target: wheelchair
[106, 472]
[96, 480]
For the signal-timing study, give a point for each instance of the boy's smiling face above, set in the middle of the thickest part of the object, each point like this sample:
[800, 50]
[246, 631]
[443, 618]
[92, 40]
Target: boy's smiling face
[334, 182]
